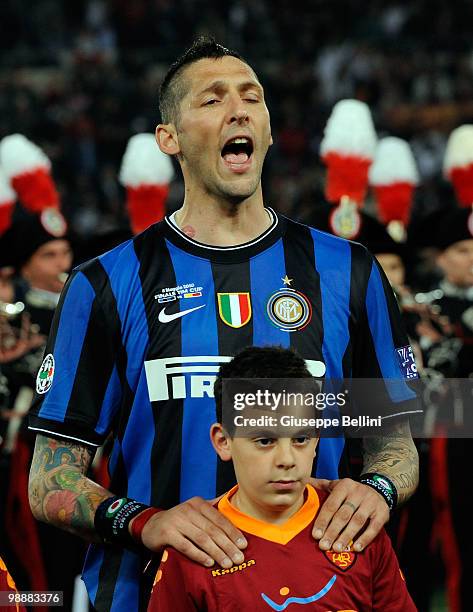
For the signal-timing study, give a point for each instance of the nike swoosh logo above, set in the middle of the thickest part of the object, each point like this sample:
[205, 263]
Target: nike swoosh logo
[166, 318]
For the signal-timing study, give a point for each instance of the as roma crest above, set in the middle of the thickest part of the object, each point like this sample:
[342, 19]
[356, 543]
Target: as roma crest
[343, 560]
[234, 308]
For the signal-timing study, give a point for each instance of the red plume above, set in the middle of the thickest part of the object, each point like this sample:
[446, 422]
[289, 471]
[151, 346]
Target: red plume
[347, 149]
[28, 169]
[458, 163]
[146, 173]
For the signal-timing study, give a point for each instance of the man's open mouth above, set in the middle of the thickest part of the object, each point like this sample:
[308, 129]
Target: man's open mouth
[237, 150]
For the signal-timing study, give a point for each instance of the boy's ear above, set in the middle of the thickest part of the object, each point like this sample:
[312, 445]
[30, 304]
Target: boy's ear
[221, 442]
[166, 137]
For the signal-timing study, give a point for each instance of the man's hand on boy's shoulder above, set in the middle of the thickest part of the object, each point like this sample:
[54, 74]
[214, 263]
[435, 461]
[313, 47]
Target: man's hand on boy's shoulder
[199, 531]
[349, 508]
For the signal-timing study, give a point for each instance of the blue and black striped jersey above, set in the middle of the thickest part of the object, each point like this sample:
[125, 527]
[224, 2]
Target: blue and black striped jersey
[140, 333]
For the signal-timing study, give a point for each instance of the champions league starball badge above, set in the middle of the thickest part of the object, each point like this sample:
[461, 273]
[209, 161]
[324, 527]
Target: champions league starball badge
[289, 310]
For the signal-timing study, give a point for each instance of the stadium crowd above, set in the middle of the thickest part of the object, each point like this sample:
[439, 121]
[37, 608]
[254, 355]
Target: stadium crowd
[80, 78]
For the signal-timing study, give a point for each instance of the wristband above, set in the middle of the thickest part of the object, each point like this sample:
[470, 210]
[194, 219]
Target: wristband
[383, 485]
[140, 522]
[112, 518]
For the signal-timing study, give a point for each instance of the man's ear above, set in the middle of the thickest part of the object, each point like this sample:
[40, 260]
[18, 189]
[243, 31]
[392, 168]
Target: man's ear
[166, 137]
[221, 442]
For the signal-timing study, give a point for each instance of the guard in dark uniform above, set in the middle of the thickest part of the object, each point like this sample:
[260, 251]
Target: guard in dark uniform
[39, 249]
[450, 357]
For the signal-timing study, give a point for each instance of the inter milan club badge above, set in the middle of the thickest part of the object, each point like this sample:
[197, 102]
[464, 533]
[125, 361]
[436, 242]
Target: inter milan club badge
[289, 310]
[234, 308]
[345, 221]
[44, 380]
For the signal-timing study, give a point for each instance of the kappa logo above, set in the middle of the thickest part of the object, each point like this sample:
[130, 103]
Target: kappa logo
[183, 377]
[235, 568]
[44, 380]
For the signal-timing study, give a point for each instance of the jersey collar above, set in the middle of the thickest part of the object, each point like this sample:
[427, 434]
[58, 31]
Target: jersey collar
[228, 254]
[280, 534]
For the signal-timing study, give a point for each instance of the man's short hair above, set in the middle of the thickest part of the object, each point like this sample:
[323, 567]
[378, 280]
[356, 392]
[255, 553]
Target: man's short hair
[259, 362]
[172, 89]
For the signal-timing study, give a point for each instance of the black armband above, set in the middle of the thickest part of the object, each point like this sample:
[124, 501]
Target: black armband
[383, 485]
[112, 518]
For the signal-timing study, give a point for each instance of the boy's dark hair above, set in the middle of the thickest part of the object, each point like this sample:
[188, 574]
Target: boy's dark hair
[260, 362]
[172, 89]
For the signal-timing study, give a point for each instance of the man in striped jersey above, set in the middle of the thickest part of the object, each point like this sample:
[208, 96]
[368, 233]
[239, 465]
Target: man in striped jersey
[141, 331]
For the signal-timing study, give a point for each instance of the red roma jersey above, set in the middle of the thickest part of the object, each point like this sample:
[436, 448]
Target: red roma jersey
[284, 569]
[7, 589]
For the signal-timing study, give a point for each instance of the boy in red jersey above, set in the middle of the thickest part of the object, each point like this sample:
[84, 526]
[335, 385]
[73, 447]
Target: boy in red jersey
[9, 596]
[274, 505]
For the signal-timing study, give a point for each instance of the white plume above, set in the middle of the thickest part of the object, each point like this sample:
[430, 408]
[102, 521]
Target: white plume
[6, 192]
[19, 155]
[459, 151]
[350, 130]
[144, 163]
[393, 163]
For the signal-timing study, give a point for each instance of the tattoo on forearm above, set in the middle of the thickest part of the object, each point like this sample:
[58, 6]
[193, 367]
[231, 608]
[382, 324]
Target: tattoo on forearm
[59, 491]
[394, 455]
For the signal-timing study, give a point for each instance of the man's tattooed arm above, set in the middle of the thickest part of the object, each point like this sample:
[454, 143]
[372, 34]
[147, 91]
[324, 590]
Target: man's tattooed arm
[59, 491]
[394, 454]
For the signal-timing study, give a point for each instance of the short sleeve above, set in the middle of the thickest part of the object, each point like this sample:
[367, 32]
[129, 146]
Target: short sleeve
[78, 390]
[382, 356]
[176, 585]
[389, 586]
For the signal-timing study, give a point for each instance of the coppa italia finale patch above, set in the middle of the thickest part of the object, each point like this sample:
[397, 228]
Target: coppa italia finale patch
[44, 380]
